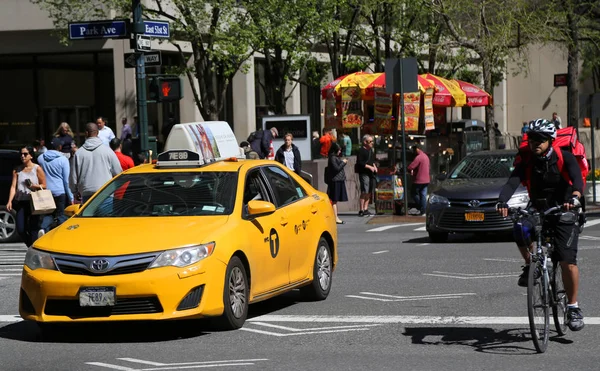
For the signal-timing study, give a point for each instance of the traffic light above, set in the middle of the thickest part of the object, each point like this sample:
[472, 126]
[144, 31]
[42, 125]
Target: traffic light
[166, 89]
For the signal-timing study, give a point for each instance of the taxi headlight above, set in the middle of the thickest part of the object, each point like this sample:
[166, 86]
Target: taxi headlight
[184, 256]
[35, 259]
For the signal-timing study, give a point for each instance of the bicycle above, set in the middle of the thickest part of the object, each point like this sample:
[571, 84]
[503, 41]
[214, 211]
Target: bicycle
[545, 287]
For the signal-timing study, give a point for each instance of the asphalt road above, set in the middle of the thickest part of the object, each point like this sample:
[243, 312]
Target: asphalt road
[398, 302]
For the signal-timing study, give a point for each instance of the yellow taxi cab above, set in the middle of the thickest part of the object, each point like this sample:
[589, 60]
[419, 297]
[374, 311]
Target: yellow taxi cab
[201, 233]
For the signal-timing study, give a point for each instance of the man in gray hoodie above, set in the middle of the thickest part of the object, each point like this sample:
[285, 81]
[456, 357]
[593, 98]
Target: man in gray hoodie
[93, 165]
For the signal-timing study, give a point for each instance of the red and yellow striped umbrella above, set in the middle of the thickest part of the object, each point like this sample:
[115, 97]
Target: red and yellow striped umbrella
[379, 83]
[476, 97]
[357, 79]
[447, 92]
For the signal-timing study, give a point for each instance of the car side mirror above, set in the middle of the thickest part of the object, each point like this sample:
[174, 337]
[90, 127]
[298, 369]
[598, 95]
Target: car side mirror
[72, 209]
[258, 208]
[441, 176]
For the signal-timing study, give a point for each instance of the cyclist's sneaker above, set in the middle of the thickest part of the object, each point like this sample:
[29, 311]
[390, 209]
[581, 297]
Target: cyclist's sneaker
[575, 319]
[524, 277]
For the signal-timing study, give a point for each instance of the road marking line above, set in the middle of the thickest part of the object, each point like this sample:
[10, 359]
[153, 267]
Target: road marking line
[407, 299]
[467, 278]
[292, 329]
[302, 333]
[11, 274]
[380, 252]
[135, 360]
[108, 365]
[591, 223]
[116, 367]
[419, 296]
[590, 238]
[386, 227]
[422, 229]
[476, 274]
[503, 260]
[408, 320]
[10, 269]
[424, 244]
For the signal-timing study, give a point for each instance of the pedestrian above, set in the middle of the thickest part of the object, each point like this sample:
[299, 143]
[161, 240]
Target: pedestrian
[525, 127]
[125, 161]
[126, 130]
[261, 140]
[26, 178]
[67, 141]
[419, 169]
[93, 165]
[56, 168]
[326, 141]
[497, 130]
[166, 129]
[367, 172]
[104, 132]
[39, 147]
[347, 144]
[289, 155]
[336, 182]
[556, 120]
[315, 145]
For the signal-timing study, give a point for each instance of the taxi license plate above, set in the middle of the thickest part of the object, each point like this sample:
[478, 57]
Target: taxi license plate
[474, 216]
[97, 296]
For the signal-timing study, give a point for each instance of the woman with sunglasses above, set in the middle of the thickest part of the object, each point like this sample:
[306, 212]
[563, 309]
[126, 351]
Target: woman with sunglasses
[27, 177]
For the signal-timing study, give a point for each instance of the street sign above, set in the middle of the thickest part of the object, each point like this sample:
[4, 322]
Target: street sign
[150, 59]
[109, 29]
[561, 79]
[157, 29]
[143, 43]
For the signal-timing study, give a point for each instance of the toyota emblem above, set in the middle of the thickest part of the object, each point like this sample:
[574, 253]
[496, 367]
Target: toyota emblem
[100, 265]
[474, 203]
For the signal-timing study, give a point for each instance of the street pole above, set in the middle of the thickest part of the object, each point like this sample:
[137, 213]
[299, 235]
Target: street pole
[140, 79]
[593, 160]
[404, 178]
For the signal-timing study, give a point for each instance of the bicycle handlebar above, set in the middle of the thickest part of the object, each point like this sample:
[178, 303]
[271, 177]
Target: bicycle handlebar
[552, 210]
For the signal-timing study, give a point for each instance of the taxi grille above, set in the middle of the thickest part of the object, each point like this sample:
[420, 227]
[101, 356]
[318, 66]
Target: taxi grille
[71, 308]
[82, 265]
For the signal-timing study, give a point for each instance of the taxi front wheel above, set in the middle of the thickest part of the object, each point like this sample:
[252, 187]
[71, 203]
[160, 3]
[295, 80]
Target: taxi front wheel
[322, 269]
[235, 296]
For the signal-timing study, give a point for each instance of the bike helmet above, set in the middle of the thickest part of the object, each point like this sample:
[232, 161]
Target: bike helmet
[543, 128]
[524, 232]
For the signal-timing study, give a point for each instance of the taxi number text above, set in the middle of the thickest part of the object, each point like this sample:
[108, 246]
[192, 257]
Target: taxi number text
[97, 297]
[178, 155]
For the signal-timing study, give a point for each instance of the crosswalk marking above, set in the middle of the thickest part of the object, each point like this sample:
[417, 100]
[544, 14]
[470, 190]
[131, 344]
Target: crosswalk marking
[12, 257]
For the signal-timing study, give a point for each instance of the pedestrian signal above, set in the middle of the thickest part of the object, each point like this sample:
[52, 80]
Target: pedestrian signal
[166, 89]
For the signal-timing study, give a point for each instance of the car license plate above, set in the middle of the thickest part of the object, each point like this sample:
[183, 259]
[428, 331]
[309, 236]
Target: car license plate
[97, 296]
[474, 216]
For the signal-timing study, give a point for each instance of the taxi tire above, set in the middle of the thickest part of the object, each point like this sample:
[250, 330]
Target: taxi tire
[228, 321]
[314, 291]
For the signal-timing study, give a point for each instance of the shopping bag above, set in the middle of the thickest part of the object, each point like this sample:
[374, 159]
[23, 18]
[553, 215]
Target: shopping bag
[42, 202]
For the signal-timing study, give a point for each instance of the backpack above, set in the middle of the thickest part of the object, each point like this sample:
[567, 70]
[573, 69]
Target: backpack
[258, 134]
[567, 140]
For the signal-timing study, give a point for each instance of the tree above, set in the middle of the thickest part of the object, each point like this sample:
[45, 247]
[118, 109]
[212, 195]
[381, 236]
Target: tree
[219, 33]
[286, 32]
[492, 29]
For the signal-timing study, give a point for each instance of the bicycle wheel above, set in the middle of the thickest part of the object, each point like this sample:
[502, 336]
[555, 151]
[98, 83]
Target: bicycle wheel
[559, 300]
[537, 307]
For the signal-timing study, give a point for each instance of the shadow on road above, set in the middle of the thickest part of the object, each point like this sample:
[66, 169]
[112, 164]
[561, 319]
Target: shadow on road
[515, 341]
[467, 238]
[134, 331]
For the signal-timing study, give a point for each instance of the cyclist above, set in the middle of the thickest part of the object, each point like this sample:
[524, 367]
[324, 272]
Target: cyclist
[548, 186]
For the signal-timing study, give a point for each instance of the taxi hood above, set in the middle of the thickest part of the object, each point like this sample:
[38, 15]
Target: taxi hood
[123, 236]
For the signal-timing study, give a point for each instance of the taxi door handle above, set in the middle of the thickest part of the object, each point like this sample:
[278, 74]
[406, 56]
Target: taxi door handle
[313, 209]
[284, 221]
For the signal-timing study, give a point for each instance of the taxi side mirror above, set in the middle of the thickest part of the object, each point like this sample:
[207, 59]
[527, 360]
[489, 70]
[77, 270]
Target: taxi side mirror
[72, 209]
[258, 208]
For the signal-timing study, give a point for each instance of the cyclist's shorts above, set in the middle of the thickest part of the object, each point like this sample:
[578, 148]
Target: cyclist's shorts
[566, 236]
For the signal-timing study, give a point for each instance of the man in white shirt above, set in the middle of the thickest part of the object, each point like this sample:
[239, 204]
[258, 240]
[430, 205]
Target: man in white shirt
[104, 132]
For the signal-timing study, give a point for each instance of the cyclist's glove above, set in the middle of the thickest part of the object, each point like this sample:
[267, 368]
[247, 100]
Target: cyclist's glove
[574, 201]
[501, 205]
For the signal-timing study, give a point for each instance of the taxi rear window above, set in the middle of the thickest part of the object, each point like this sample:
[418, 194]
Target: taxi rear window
[166, 194]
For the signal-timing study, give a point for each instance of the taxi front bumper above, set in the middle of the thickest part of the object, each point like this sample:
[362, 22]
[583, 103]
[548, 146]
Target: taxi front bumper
[154, 294]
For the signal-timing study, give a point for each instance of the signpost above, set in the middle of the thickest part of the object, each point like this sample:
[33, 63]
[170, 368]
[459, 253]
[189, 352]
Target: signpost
[140, 34]
[150, 59]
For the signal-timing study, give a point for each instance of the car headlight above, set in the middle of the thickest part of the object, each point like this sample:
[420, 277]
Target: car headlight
[184, 256]
[437, 199]
[519, 200]
[35, 259]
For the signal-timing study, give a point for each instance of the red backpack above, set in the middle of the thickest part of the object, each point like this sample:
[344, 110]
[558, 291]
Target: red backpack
[566, 139]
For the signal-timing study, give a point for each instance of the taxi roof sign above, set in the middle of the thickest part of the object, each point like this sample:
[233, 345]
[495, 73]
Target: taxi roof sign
[199, 143]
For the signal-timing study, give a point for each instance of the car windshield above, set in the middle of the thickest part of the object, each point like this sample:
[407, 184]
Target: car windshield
[165, 194]
[484, 166]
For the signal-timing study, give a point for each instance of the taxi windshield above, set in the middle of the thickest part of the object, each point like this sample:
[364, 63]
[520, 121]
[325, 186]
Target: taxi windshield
[165, 194]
